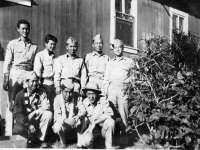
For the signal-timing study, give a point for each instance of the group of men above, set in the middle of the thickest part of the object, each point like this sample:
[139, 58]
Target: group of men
[77, 94]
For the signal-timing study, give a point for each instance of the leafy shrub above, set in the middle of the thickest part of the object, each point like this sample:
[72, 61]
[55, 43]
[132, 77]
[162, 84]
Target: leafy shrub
[165, 92]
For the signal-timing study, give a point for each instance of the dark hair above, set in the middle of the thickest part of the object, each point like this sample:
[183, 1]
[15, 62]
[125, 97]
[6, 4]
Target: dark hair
[50, 37]
[23, 21]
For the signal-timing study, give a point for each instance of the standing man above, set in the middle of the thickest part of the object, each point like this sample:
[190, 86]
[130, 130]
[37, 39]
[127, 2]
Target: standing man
[19, 59]
[31, 111]
[65, 112]
[117, 81]
[95, 63]
[44, 66]
[68, 66]
[98, 114]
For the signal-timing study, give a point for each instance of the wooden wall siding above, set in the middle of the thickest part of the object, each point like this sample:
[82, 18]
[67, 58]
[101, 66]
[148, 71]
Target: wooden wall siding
[152, 18]
[194, 25]
[81, 19]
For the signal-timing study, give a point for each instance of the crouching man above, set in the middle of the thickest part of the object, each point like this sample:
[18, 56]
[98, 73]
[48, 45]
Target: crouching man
[96, 113]
[31, 110]
[65, 111]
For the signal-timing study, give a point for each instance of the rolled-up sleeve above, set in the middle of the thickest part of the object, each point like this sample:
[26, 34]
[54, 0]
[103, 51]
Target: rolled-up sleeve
[38, 65]
[107, 110]
[58, 71]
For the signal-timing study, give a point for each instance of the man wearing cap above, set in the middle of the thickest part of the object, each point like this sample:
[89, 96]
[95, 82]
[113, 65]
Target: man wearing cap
[19, 58]
[117, 81]
[98, 114]
[95, 63]
[31, 110]
[44, 66]
[65, 112]
[68, 66]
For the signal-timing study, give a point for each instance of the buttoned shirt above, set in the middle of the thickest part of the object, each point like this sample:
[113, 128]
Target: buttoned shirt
[118, 71]
[62, 109]
[97, 111]
[95, 65]
[19, 53]
[67, 66]
[44, 64]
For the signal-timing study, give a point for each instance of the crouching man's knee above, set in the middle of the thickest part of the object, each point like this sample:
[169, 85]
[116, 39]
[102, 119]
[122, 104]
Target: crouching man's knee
[57, 127]
[109, 124]
[47, 116]
[87, 140]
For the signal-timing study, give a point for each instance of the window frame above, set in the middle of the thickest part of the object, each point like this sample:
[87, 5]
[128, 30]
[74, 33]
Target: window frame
[21, 2]
[134, 6]
[181, 14]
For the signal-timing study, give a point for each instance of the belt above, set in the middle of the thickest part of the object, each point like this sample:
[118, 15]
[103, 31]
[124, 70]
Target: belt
[97, 77]
[26, 68]
[48, 79]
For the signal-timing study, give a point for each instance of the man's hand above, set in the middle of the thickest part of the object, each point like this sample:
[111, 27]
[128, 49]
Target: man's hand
[35, 112]
[58, 90]
[76, 118]
[31, 128]
[70, 121]
[6, 81]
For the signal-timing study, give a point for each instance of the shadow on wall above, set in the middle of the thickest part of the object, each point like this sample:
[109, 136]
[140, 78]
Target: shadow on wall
[2, 53]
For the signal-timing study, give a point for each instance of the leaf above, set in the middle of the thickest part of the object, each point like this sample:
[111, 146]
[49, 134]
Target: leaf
[153, 117]
[198, 141]
[180, 76]
[157, 135]
[179, 136]
[185, 121]
[141, 116]
[189, 74]
[184, 108]
[133, 109]
[188, 139]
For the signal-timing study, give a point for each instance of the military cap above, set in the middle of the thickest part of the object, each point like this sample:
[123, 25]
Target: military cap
[118, 42]
[71, 40]
[97, 37]
[67, 83]
[31, 75]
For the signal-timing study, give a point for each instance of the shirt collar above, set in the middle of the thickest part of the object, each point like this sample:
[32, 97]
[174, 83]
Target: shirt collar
[95, 53]
[90, 104]
[115, 58]
[49, 53]
[28, 41]
[68, 55]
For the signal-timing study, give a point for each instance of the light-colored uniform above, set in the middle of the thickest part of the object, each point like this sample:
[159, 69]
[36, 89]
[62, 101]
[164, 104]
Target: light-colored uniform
[62, 111]
[95, 66]
[68, 67]
[18, 60]
[44, 68]
[117, 82]
[25, 103]
[89, 113]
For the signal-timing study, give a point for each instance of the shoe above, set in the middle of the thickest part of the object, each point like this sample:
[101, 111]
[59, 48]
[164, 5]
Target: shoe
[44, 145]
[64, 146]
[81, 147]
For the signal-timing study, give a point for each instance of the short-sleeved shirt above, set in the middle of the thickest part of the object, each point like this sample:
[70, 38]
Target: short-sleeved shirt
[18, 53]
[95, 65]
[118, 71]
[67, 66]
[95, 112]
[44, 64]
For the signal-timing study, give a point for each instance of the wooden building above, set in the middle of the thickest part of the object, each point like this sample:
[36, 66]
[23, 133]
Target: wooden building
[129, 20]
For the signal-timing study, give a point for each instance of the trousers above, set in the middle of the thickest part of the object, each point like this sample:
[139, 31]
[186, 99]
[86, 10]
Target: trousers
[86, 139]
[41, 124]
[50, 91]
[117, 95]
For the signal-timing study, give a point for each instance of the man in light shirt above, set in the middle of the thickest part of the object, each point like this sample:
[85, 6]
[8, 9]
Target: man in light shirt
[19, 59]
[44, 66]
[69, 66]
[65, 112]
[117, 81]
[95, 63]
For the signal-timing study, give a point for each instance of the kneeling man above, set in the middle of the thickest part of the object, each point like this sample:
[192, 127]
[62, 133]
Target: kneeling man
[65, 111]
[97, 113]
[31, 110]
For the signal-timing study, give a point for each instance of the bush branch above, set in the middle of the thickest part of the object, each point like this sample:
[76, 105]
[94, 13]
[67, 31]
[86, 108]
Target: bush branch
[164, 100]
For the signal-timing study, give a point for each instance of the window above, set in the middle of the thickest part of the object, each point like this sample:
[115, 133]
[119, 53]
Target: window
[178, 20]
[124, 23]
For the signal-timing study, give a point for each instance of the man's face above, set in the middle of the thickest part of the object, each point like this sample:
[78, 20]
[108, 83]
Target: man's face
[32, 84]
[67, 94]
[72, 48]
[118, 49]
[23, 30]
[51, 45]
[98, 45]
[92, 96]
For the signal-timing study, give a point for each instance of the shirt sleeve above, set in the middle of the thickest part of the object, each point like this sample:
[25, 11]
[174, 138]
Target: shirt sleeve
[107, 110]
[84, 72]
[106, 81]
[38, 65]
[8, 58]
[18, 113]
[57, 112]
[58, 71]
[45, 104]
